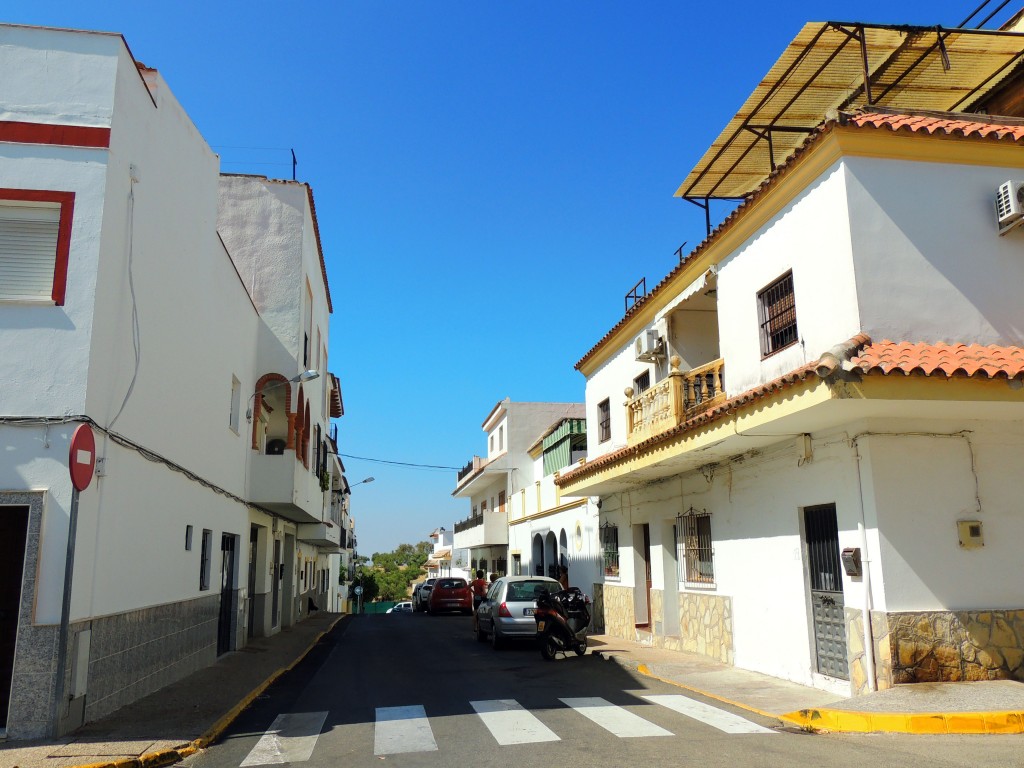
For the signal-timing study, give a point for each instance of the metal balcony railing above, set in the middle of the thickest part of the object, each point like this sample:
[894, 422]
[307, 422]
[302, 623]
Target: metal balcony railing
[472, 522]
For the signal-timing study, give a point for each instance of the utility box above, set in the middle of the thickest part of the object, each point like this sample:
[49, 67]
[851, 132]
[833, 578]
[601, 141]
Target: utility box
[851, 561]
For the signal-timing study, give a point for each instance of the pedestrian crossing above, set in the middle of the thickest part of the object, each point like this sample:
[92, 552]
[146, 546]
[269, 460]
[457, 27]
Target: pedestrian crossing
[292, 737]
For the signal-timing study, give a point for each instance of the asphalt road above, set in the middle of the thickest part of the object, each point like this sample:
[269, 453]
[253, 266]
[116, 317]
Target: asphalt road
[418, 690]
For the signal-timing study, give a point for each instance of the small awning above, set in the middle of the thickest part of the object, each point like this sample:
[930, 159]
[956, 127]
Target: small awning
[834, 66]
[441, 554]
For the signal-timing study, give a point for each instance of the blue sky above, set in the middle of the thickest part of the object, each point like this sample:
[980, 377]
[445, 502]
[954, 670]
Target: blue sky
[491, 178]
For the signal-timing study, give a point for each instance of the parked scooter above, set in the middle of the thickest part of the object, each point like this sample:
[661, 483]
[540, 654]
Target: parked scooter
[562, 622]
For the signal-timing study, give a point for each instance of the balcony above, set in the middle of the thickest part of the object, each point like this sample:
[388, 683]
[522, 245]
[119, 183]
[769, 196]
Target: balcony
[472, 522]
[280, 483]
[680, 396]
[326, 536]
[487, 529]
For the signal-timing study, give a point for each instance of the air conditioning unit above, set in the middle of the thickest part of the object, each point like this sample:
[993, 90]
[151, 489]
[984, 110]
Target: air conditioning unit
[648, 346]
[1010, 205]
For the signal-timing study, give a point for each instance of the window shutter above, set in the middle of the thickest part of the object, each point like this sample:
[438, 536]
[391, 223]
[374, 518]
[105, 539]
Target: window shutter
[28, 251]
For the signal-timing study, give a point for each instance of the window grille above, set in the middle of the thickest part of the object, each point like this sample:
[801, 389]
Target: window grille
[642, 383]
[610, 549]
[777, 310]
[698, 554]
[204, 559]
[604, 421]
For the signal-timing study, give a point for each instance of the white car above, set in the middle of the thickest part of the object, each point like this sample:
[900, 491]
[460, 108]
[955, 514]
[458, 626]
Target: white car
[405, 607]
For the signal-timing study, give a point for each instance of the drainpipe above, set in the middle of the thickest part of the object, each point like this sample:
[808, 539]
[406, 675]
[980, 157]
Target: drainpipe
[869, 644]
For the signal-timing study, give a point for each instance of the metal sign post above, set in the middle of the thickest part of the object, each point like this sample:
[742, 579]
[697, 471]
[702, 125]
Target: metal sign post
[81, 464]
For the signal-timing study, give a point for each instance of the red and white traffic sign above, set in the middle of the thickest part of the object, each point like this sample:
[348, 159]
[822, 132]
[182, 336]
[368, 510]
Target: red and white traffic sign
[82, 457]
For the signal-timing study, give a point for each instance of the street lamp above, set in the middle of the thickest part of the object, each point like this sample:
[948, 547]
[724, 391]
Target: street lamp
[304, 376]
[367, 480]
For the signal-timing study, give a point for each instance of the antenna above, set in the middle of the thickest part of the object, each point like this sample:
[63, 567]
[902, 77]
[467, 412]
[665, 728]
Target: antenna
[295, 162]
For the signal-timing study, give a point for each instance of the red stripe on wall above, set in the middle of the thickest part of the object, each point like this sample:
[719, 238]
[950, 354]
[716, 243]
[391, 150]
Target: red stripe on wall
[61, 135]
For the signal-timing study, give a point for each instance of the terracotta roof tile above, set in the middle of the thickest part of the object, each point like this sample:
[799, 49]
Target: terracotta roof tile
[864, 356]
[972, 360]
[998, 128]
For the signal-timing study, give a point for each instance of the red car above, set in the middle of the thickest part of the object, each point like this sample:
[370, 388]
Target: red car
[450, 595]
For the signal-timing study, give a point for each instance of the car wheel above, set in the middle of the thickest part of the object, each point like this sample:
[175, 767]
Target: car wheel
[497, 642]
[548, 649]
[481, 636]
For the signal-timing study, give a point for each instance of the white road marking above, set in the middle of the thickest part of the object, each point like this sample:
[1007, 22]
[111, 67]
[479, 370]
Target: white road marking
[716, 718]
[290, 739]
[621, 722]
[509, 723]
[402, 729]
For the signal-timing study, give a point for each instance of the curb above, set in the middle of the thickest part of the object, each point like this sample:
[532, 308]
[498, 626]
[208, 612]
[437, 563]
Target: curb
[918, 723]
[171, 756]
[841, 721]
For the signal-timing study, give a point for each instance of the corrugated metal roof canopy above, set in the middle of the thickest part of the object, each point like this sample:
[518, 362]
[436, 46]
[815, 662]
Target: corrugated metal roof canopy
[823, 69]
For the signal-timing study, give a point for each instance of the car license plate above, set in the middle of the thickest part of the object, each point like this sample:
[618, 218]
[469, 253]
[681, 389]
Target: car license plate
[540, 626]
[527, 611]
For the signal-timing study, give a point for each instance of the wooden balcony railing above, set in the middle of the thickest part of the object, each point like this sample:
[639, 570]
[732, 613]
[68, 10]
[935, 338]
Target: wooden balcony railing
[670, 402]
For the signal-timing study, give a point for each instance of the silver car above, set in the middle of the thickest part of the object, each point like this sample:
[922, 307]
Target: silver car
[507, 609]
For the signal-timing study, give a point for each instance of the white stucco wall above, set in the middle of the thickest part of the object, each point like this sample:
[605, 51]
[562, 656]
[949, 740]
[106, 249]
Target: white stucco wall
[922, 483]
[930, 265]
[79, 358]
[811, 237]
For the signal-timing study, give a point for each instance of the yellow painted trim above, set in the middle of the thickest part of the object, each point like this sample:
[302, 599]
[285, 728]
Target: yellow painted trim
[549, 512]
[750, 417]
[943, 723]
[899, 387]
[831, 146]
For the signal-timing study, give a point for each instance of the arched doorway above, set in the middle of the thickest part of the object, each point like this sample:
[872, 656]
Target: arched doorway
[537, 557]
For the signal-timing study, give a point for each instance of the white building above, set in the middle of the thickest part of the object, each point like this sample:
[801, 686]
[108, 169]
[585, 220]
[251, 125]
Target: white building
[548, 529]
[823, 402]
[489, 482]
[144, 295]
[439, 563]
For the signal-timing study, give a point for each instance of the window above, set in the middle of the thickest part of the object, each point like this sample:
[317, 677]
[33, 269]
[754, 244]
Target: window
[483, 506]
[308, 329]
[204, 559]
[776, 307]
[642, 383]
[501, 438]
[604, 421]
[501, 501]
[35, 239]
[490, 446]
[697, 560]
[610, 550]
[236, 403]
[517, 565]
[188, 538]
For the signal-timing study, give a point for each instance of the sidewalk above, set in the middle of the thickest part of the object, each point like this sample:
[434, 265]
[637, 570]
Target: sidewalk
[923, 708]
[175, 721]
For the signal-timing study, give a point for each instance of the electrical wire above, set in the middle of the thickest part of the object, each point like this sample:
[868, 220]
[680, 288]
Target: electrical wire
[399, 463]
[136, 336]
[126, 442]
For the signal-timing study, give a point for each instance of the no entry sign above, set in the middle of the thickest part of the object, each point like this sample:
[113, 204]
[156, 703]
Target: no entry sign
[82, 457]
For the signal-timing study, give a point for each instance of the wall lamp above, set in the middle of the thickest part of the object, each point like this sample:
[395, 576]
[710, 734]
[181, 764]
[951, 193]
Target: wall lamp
[304, 376]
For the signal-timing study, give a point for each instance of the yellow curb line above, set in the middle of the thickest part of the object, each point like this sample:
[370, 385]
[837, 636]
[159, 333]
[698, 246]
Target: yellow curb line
[170, 756]
[947, 723]
[951, 723]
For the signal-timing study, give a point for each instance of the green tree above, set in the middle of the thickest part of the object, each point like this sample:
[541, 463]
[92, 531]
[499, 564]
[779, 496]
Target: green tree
[393, 572]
